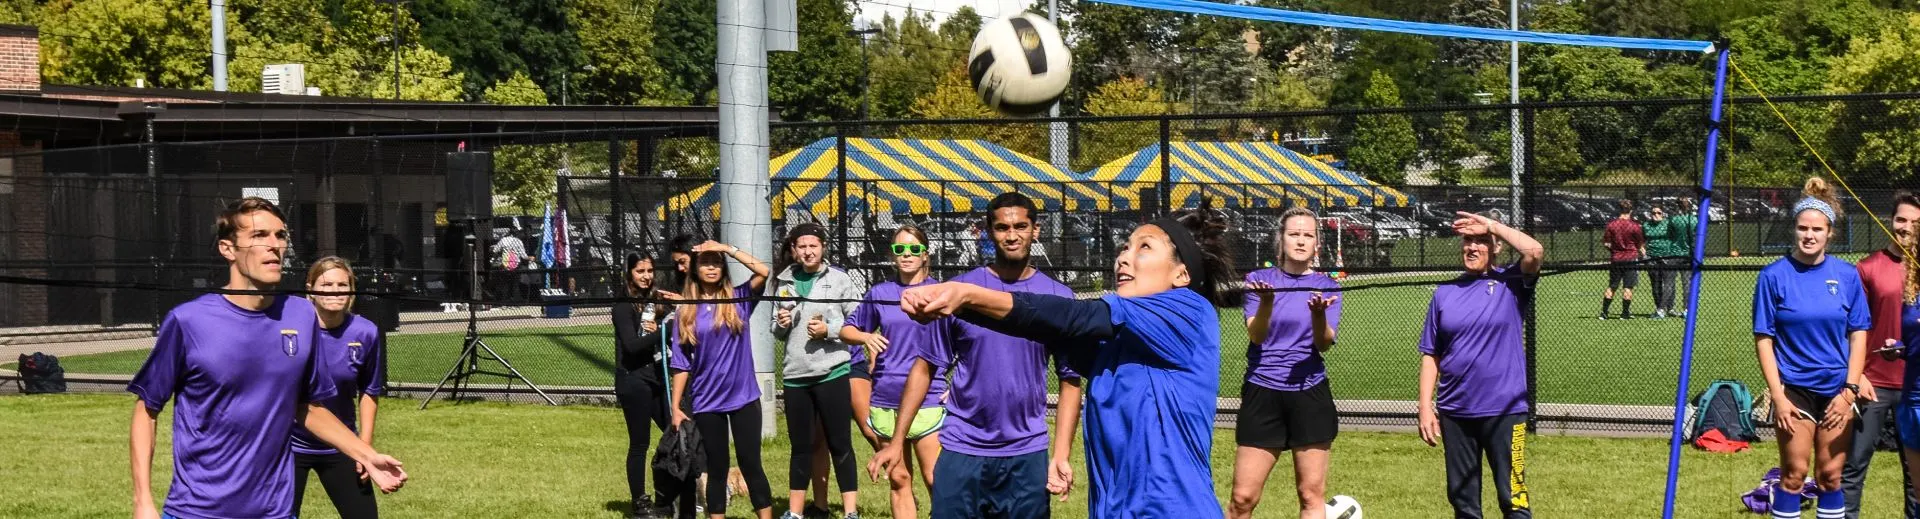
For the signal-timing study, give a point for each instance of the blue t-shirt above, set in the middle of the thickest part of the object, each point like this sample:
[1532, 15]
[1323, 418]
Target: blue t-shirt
[354, 358]
[1151, 392]
[237, 378]
[1809, 310]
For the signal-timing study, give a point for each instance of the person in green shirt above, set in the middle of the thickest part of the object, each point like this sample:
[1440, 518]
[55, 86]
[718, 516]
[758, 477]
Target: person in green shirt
[1669, 243]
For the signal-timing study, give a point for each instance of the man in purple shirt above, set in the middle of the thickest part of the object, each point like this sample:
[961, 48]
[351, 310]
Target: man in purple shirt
[994, 461]
[1471, 348]
[241, 371]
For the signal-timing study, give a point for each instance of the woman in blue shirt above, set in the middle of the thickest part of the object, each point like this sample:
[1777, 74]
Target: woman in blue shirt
[1907, 417]
[1151, 355]
[1810, 323]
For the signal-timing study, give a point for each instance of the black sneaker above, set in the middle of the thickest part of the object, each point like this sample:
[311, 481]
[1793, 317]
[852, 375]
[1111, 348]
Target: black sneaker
[1624, 315]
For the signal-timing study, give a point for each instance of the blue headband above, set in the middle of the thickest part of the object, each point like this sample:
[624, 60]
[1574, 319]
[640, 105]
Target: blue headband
[1816, 205]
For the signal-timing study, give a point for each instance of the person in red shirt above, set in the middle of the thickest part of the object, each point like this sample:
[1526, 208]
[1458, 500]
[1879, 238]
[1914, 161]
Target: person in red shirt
[1883, 274]
[1628, 243]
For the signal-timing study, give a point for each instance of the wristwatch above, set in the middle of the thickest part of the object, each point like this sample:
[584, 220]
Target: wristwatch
[1855, 388]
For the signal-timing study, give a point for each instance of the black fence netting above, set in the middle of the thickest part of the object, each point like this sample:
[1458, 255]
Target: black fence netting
[111, 237]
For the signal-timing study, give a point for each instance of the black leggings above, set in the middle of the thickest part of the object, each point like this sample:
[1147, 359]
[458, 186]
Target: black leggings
[351, 497]
[640, 404]
[745, 431]
[829, 404]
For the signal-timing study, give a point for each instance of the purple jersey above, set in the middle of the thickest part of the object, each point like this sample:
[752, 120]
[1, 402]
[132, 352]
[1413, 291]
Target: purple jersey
[1474, 331]
[907, 340]
[720, 367]
[998, 403]
[353, 357]
[238, 379]
[1285, 359]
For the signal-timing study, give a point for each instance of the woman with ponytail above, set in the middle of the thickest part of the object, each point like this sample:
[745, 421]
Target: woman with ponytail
[1810, 321]
[713, 363]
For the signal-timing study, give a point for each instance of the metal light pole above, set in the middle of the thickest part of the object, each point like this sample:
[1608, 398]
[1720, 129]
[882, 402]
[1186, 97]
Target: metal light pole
[866, 71]
[396, 45]
[219, 44]
[1517, 160]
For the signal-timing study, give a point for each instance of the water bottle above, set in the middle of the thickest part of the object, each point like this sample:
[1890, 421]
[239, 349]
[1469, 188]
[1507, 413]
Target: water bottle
[647, 314]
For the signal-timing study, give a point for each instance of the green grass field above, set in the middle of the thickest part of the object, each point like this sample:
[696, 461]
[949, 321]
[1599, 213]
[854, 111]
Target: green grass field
[520, 460]
[1581, 359]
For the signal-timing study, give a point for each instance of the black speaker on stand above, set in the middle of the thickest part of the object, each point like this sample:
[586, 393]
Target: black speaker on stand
[470, 201]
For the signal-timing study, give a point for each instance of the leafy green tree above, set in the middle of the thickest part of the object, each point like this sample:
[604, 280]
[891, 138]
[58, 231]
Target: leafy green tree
[954, 98]
[1888, 132]
[1383, 144]
[610, 33]
[159, 43]
[489, 40]
[1452, 145]
[822, 80]
[684, 48]
[1124, 96]
[524, 174]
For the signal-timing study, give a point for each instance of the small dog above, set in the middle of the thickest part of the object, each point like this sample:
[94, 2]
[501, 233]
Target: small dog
[736, 486]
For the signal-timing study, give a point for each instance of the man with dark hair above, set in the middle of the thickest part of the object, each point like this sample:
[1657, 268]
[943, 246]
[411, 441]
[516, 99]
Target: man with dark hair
[994, 461]
[1627, 243]
[1883, 274]
[240, 367]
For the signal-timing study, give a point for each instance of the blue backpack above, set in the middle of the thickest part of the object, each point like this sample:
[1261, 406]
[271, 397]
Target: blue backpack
[1725, 405]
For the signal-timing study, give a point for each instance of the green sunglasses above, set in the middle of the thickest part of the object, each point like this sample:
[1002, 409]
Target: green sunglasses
[908, 249]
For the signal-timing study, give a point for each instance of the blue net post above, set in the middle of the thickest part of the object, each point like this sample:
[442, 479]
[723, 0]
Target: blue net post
[1693, 295]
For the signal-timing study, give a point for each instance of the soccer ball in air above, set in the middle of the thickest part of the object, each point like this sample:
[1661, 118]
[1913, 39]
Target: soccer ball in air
[1343, 507]
[1019, 65]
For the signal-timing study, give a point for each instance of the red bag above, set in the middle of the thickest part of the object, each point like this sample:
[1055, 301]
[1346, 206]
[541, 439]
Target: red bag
[1713, 441]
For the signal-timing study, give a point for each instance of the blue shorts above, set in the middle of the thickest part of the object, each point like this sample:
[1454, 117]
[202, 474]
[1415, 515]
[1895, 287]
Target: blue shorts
[1906, 419]
[990, 487]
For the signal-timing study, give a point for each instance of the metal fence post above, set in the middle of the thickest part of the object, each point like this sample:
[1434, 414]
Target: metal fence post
[1527, 307]
[840, 191]
[1166, 164]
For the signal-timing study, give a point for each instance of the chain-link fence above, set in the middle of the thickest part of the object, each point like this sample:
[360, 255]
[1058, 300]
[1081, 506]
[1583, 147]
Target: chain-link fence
[115, 236]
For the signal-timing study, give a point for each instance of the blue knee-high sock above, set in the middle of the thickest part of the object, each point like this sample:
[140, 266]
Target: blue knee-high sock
[1830, 504]
[1786, 505]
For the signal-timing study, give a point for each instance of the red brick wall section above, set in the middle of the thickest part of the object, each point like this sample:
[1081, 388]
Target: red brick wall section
[30, 235]
[19, 59]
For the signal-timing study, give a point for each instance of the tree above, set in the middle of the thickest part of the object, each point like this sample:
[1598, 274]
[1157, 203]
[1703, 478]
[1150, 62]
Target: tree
[489, 40]
[610, 32]
[1123, 96]
[684, 48]
[1452, 145]
[954, 98]
[1383, 144]
[159, 43]
[523, 173]
[1888, 132]
[822, 80]
[1472, 54]
[909, 53]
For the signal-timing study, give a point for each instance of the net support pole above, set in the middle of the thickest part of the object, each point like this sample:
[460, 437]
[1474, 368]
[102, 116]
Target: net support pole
[745, 214]
[1678, 437]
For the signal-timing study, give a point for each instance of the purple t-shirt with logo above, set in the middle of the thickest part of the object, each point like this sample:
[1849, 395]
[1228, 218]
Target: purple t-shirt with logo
[720, 367]
[1474, 331]
[1285, 359]
[238, 379]
[998, 403]
[353, 357]
[907, 340]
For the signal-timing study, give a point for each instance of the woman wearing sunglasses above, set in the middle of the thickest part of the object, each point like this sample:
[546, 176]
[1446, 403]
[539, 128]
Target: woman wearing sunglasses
[899, 347]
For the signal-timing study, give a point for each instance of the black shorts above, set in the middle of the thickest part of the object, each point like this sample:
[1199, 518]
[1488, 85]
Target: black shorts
[1624, 274]
[1807, 400]
[859, 370]
[1286, 420]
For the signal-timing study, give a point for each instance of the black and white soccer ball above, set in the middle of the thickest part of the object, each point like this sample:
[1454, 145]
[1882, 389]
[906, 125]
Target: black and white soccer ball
[1019, 64]
[1343, 507]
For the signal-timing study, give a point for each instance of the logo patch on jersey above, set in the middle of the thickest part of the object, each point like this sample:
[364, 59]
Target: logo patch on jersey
[353, 351]
[1833, 287]
[289, 341]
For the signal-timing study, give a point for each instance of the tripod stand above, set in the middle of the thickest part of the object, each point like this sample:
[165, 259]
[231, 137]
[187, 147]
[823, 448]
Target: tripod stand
[468, 364]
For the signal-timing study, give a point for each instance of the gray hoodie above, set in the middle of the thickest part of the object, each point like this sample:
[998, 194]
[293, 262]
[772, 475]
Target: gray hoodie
[808, 357]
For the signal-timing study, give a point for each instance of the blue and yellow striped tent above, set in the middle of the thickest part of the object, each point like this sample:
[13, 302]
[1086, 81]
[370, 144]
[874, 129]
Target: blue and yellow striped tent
[915, 176]
[1246, 174]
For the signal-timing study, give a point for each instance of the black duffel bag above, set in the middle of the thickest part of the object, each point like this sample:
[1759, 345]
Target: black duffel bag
[41, 373]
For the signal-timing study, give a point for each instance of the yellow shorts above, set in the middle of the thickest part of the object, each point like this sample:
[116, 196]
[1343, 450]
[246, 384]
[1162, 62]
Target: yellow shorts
[927, 421]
